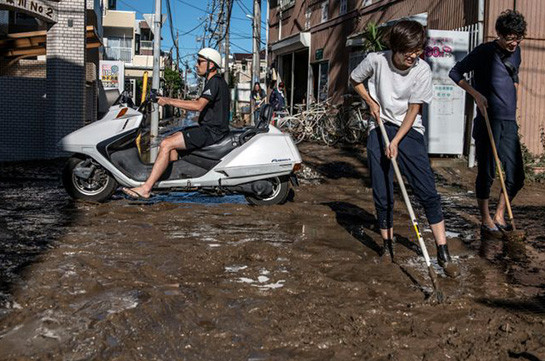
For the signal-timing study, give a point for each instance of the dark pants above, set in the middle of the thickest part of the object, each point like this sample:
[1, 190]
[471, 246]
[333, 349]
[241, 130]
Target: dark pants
[508, 145]
[414, 165]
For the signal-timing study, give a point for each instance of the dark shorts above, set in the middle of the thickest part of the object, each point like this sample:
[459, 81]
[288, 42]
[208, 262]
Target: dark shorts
[196, 138]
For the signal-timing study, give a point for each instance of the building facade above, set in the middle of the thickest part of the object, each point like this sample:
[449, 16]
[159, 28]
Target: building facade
[130, 40]
[315, 44]
[48, 73]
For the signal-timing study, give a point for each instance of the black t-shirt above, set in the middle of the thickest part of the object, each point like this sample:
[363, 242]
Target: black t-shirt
[215, 115]
[492, 78]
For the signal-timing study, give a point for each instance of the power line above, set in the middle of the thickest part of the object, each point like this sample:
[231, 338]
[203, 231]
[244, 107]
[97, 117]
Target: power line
[241, 48]
[192, 6]
[246, 11]
[184, 32]
[171, 26]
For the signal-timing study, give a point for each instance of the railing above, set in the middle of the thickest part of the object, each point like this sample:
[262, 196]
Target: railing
[122, 54]
[146, 44]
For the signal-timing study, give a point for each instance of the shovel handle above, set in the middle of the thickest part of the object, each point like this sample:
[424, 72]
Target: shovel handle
[498, 165]
[406, 197]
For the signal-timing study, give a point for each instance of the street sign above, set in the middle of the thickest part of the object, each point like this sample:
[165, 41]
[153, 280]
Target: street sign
[36, 8]
[319, 54]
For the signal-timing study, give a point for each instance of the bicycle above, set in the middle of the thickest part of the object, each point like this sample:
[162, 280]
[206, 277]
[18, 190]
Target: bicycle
[355, 120]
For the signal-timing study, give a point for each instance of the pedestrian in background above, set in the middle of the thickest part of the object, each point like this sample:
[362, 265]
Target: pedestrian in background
[494, 87]
[277, 99]
[258, 97]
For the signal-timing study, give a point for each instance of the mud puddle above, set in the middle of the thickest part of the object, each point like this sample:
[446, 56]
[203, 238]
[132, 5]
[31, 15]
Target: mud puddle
[192, 277]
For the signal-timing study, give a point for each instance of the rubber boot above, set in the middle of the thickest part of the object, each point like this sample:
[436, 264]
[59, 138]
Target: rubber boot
[443, 258]
[388, 250]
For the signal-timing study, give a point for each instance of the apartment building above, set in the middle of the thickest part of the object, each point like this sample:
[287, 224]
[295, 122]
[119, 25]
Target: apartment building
[315, 44]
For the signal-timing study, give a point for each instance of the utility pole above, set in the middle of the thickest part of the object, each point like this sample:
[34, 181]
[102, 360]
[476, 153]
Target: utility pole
[154, 128]
[256, 59]
[186, 86]
[228, 23]
[267, 38]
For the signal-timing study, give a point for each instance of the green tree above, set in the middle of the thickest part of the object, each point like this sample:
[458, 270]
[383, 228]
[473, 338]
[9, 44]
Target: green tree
[173, 82]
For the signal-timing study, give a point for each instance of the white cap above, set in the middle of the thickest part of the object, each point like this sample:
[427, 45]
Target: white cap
[212, 55]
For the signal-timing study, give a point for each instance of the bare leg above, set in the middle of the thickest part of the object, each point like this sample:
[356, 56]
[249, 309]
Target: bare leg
[438, 230]
[499, 217]
[173, 142]
[173, 155]
[387, 233]
[485, 213]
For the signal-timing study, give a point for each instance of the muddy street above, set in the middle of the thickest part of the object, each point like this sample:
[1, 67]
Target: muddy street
[191, 277]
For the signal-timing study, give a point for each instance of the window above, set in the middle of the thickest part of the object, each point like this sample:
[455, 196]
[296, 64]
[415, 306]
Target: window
[343, 7]
[118, 49]
[323, 81]
[354, 60]
[325, 11]
[284, 4]
[308, 14]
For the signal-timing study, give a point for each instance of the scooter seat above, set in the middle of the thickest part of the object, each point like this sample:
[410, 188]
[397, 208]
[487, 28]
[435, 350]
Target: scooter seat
[220, 149]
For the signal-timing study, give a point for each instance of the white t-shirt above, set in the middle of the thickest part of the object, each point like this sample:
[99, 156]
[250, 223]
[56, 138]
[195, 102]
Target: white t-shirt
[393, 89]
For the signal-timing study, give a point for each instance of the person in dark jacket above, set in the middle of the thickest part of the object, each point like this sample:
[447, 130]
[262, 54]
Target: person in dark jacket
[276, 99]
[495, 67]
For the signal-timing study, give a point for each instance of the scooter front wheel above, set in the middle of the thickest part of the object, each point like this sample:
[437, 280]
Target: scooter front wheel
[279, 195]
[84, 179]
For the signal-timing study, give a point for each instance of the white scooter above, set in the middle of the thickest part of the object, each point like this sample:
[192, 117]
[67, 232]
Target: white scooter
[259, 162]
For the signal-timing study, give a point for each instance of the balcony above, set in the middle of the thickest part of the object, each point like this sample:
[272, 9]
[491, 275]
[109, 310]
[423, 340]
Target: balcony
[121, 54]
[146, 44]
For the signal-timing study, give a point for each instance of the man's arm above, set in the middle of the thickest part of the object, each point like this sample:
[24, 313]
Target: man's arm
[192, 105]
[480, 99]
[465, 66]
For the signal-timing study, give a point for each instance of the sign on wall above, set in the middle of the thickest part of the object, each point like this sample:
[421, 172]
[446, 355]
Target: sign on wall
[445, 116]
[112, 75]
[36, 8]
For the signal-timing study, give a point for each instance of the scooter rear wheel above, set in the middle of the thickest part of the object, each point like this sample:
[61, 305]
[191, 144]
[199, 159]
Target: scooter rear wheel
[97, 188]
[281, 191]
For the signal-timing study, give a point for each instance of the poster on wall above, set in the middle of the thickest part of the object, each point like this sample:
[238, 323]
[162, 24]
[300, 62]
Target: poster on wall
[445, 116]
[112, 75]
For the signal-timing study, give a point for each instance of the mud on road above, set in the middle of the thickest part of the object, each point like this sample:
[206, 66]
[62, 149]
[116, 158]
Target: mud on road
[185, 277]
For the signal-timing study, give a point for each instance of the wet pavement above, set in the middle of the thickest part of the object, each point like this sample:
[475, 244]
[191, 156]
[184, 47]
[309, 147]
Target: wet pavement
[191, 277]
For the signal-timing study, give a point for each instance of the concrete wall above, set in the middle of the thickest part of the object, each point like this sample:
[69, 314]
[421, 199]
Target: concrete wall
[66, 73]
[22, 118]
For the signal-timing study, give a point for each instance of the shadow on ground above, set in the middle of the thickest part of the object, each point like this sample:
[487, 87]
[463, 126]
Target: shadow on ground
[34, 214]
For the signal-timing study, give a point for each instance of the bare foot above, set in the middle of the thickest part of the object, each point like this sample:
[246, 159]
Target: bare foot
[500, 221]
[136, 193]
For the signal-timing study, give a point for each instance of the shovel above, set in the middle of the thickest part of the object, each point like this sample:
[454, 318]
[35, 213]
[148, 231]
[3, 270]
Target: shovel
[433, 276]
[514, 235]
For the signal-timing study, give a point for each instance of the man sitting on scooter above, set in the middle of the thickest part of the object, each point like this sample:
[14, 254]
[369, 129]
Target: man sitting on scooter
[213, 105]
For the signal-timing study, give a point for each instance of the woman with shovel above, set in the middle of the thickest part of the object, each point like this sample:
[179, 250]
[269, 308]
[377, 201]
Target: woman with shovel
[399, 83]
[495, 67]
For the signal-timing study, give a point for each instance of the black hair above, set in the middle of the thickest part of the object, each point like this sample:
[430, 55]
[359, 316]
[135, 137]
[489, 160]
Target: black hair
[511, 22]
[407, 35]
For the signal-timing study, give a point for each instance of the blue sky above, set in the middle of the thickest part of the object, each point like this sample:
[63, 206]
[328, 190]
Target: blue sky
[187, 17]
